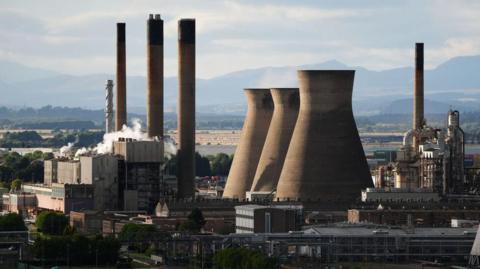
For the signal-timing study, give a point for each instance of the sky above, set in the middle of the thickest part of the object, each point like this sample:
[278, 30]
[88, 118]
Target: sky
[78, 37]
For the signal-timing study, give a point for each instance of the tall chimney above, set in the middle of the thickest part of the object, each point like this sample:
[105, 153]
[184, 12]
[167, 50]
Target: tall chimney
[286, 102]
[121, 109]
[186, 108]
[252, 140]
[155, 76]
[325, 159]
[109, 106]
[418, 117]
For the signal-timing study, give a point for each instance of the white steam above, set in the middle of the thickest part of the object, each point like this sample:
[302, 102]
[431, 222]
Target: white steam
[134, 132]
[106, 146]
[66, 150]
[169, 146]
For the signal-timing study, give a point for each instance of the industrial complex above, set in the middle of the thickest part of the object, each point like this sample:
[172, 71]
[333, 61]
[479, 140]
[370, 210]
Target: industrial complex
[300, 187]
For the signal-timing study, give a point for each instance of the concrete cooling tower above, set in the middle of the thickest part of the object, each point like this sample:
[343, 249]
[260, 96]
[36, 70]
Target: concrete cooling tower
[254, 132]
[325, 160]
[286, 103]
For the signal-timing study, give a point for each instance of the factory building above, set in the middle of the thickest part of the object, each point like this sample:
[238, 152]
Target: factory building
[101, 171]
[431, 159]
[254, 218]
[57, 197]
[140, 175]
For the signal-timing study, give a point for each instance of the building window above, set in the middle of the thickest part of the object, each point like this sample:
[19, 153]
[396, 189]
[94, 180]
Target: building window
[268, 224]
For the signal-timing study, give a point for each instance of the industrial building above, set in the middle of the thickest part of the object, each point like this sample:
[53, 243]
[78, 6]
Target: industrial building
[254, 218]
[431, 159]
[362, 243]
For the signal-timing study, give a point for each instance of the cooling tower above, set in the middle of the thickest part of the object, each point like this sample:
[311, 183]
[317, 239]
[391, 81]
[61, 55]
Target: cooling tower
[286, 102]
[418, 116]
[155, 76]
[325, 159]
[121, 107]
[186, 108]
[252, 139]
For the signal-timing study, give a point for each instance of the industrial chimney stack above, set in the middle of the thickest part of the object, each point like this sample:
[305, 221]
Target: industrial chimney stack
[155, 76]
[109, 106]
[418, 116]
[286, 103]
[121, 107]
[325, 159]
[252, 140]
[186, 108]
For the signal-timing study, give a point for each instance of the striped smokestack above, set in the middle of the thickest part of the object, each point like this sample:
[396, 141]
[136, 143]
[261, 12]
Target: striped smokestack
[121, 107]
[186, 108]
[155, 76]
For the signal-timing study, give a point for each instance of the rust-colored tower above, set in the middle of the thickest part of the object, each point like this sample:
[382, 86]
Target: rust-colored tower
[418, 96]
[155, 76]
[286, 102]
[121, 106]
[325, 159]
[418, 116]
[254, 132]
[186, 108]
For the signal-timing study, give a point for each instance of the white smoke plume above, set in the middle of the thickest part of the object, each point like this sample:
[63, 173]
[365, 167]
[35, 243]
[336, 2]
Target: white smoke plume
[134, 132]
[66, 150]
[169, 146]
[106, 146]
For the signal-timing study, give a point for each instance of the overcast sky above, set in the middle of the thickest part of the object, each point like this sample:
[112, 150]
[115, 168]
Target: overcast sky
[78, 37]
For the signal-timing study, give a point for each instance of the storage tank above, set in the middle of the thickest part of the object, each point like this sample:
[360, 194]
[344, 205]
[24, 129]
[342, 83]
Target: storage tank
[325, 159]
[252, 139]
[286, 102]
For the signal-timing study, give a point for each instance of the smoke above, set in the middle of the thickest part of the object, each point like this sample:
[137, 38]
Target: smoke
[66, 150]
[134, 132]
[106, 146]
[170, 148]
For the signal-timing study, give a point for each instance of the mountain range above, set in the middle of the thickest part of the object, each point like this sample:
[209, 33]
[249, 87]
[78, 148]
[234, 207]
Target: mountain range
[454, 83]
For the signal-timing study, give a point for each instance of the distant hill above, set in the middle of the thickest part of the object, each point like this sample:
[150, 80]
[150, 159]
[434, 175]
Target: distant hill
[453, 83]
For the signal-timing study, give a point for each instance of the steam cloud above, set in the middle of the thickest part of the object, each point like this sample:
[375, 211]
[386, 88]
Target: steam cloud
[106, 146]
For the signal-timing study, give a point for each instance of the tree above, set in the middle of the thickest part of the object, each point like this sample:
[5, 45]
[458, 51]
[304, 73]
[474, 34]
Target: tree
[243, 258]
[16, 185]
[195, 221]
[221, 164]
[51, 223]
[139, 236]
[12, 222]
[77, 249]
[202, 166]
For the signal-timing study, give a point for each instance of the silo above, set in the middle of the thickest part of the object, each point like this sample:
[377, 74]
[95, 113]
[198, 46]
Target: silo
[325, 159]
[286, 102]
[252, 139]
